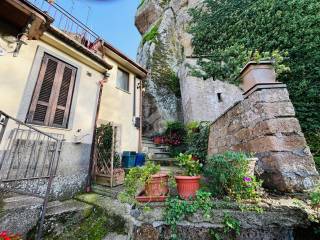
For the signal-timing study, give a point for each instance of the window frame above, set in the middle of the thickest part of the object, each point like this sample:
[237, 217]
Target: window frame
[118, 85]
[52, 104]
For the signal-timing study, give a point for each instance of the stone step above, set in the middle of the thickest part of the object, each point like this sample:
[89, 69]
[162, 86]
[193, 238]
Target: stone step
[171, 170]
[158, 155]
[164, 161]
[160, 149]
[57, 208]
[147, 142]
[107, 191]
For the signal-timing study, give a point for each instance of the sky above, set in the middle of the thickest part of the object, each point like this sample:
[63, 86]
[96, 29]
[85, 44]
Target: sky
[113, 20]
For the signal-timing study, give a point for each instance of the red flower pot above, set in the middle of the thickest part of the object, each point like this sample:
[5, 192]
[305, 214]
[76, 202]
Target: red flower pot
[158, 185]
[157, 140]
[187, 186]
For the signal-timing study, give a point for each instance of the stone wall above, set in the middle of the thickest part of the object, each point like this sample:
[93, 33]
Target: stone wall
[264, 123]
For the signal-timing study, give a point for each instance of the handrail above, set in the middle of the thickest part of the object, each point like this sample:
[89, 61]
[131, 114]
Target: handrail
[27, 125]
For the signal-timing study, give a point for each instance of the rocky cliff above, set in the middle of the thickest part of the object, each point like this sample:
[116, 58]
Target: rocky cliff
[172, 92]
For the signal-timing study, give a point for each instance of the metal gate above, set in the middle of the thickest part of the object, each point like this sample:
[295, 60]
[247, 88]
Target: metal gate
[29, 159]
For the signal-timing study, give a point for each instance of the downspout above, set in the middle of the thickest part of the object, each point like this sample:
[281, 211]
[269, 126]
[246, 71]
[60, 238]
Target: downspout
[106, 75]
[140, 115]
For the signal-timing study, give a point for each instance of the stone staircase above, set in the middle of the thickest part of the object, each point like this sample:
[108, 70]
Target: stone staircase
[159, 154]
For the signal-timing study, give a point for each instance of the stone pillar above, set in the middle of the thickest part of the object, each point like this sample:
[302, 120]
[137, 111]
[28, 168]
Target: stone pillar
[264, 123]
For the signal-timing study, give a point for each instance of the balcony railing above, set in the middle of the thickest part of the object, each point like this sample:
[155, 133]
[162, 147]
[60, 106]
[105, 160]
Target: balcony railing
[67, 23]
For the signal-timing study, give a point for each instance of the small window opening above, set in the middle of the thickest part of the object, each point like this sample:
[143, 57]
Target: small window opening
[219, 95]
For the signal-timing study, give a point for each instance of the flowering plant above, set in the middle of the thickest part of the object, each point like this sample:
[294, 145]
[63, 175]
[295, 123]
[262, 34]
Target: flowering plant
[5, 235]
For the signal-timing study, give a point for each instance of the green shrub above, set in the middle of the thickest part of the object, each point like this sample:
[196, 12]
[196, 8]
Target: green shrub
[227, 174]
[226, 31]
[197, 140]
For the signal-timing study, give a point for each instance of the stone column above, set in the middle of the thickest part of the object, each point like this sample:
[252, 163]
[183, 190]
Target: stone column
[285, 161]
[264, 123]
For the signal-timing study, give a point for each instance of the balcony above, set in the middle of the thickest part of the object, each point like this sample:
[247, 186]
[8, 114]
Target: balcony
[67, 23]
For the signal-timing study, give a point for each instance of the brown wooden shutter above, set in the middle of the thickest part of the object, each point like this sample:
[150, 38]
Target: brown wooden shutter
[52, 97]
[39, 109]
[62, 110]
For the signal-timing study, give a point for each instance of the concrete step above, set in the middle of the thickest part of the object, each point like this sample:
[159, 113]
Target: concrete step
[19, 213]
[107, 191]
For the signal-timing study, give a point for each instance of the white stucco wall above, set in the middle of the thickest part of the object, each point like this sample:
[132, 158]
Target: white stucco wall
[117, 107]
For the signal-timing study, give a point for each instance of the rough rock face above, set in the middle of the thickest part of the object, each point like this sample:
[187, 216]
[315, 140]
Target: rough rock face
[169, 49]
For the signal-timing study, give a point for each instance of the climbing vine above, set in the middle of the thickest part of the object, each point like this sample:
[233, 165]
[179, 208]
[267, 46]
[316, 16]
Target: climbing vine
[227, 31]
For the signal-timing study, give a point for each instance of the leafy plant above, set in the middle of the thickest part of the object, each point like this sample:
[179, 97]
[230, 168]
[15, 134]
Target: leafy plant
[228, 174]
[230, 226]
[289, 27]
[136, 179]
[315, 197]
[197, 141]
[177, 209]
[5, 235]
[191, 166]
[104, 135]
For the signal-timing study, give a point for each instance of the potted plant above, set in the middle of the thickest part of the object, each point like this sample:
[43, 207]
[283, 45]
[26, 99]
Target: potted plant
[189, 183]
[146, 180]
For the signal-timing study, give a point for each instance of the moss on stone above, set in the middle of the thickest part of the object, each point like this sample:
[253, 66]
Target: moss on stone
[90, 198]
[152, 34]
[161, 72]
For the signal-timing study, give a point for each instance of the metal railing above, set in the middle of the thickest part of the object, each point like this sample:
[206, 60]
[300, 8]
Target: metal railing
[29, 160]
[67, 23]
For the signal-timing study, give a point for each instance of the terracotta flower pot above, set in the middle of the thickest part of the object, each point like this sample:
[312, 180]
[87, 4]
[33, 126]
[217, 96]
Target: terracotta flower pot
[257, 73]
[157, 140]
[158, 185]
[187, 186]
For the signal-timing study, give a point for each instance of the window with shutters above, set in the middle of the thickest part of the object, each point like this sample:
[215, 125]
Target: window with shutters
[52, 97]
[123, 80]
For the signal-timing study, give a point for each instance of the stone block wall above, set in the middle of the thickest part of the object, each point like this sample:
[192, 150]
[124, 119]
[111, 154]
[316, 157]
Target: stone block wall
[264, 123]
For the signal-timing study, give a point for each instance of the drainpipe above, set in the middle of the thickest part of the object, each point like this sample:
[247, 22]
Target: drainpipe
[106, 75]
[140, 115]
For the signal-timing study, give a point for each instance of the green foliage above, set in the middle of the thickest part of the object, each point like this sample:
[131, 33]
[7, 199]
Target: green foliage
[152, 34]
[228, 174]
[135, 180]
[104, 135]
[190, 166]
[231, 226]
[314, 143]
[315, 197]
[175, 127]
[141, 3]
[197, 140]
[161, 71]
[177, 209]
[226, 31]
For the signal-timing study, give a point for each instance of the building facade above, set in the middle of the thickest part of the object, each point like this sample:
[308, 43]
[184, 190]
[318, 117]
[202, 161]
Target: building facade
[51, 79]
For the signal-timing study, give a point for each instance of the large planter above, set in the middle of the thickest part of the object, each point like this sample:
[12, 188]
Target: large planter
[117, 178]
[187, 186]
[257, 73]
[157, 185]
